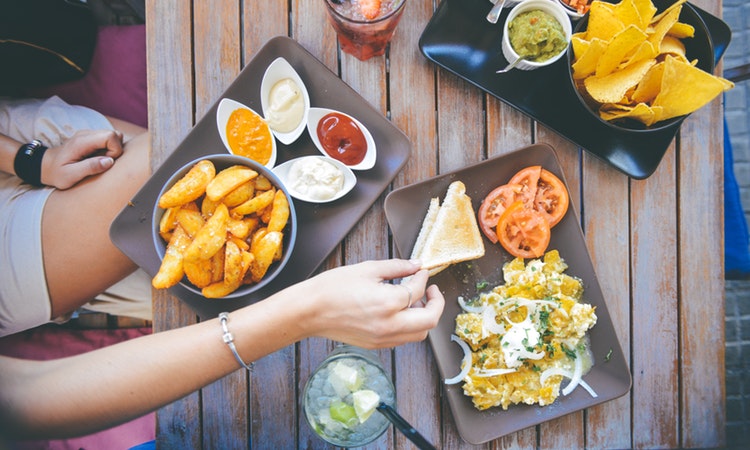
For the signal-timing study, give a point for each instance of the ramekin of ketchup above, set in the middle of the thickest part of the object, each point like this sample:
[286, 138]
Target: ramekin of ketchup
[341, 138]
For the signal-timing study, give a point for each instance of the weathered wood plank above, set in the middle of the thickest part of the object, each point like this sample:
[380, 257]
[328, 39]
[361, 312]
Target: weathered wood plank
[606, 226]
[178, 424]
[701, 273]
[412, 111]
[654, 307]
[216, 27]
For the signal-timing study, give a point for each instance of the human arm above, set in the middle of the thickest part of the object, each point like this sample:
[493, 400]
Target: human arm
[86, 153]
[96, 390]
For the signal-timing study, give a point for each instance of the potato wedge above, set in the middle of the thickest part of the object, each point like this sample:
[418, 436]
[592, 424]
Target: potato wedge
[211, 236]
[171, 270]
[255, 204]
[264, 251]
[190, 187]
[198, 272]
[191, 220]
[240, 194]
[227, 180]
[219, 289]
[232, 264]
[279, 212]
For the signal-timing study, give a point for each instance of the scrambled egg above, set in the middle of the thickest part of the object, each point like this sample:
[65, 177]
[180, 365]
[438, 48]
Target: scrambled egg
[525, 333]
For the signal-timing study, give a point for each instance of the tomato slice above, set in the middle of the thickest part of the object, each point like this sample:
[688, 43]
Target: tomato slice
[551, 198]
[523, 232]
[494, 205]
[529, 179]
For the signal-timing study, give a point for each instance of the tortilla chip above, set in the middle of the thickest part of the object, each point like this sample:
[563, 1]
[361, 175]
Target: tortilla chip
[672, 7]
[673, 46]
[621, 44]
[686, 88]
[628, 13]
[613, 87]
[640, 112]
[603, 24]
[662, 26]
[650, 85]
[585, 65]
[645, 51]
[646, 11]
[681, 31]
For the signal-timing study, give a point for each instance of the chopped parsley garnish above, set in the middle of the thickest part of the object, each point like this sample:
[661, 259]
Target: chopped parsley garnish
[609, 356]
[569, 352]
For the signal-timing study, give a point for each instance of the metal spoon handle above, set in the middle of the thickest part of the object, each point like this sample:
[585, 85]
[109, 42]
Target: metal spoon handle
[511, 65]
[403, 426]
[495, 11]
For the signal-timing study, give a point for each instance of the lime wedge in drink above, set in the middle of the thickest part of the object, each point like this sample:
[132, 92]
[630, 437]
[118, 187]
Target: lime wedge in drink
[365, 402]
[343, 413]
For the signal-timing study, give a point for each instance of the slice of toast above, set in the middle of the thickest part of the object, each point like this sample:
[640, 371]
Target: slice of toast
[453, 235]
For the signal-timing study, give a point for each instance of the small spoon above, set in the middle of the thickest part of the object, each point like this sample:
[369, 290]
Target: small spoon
[403, 426]
[511, 65]
[494, 13]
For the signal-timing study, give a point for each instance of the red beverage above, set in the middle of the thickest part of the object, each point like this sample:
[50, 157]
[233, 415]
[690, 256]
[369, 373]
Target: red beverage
[362, 31]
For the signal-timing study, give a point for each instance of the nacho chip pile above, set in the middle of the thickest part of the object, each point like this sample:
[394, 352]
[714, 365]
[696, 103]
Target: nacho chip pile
[630, 62]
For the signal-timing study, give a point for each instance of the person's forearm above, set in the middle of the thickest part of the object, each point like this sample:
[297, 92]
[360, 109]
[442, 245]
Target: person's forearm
[8, 149]
[115, 384]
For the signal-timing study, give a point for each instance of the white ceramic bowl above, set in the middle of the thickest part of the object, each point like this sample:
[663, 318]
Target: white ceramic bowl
[278, 70]
[570, 10]
[285, 173]
[316, 114]
[222, 161]
[555, 10]
[225, 109]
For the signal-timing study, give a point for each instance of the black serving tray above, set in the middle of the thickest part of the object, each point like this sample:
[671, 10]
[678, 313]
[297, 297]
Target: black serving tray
[459, 39]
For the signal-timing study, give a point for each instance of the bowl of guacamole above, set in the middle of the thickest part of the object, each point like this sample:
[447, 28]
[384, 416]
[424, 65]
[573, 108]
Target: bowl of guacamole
[538, 31]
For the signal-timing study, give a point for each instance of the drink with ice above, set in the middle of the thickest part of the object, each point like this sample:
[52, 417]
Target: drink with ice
[341, 395]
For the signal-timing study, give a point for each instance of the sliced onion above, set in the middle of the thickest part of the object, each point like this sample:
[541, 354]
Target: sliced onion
[588, 388]
[465, 362]
[552, 371]
[571, 375]
[489, 324]
[492, 372]
[468, 308]
[577, 371]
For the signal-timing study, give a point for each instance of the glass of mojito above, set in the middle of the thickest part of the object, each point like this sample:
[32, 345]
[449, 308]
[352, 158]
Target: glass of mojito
[342, 394]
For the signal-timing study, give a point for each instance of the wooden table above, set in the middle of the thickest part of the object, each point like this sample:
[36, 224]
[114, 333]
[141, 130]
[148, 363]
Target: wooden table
[657, 243]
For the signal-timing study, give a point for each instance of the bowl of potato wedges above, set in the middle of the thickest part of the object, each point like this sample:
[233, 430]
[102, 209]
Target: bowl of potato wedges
[224, 226]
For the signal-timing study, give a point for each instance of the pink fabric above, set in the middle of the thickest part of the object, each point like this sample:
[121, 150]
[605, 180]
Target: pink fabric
[52, 342]
[115, 85]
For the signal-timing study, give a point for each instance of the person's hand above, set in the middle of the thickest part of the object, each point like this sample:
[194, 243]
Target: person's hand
[355, 304]
[86, 153]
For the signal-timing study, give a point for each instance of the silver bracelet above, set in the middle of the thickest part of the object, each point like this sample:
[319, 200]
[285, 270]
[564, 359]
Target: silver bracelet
[229, 340]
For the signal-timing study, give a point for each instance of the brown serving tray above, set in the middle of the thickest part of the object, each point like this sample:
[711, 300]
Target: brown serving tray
[609, 377]
[321, 226]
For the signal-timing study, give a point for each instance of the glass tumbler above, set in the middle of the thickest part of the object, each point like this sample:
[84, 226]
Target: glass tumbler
[360, 36]
[329, 397]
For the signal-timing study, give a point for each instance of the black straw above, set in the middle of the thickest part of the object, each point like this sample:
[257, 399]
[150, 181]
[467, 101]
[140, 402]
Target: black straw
[403, 426]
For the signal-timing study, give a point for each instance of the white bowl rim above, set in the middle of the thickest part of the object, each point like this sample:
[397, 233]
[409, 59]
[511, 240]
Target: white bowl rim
[265, 89]
[317, 113]
[556, 10]
[350, 178]
[225, 108]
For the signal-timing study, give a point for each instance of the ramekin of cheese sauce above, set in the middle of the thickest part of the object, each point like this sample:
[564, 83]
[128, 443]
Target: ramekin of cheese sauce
[245, 133]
